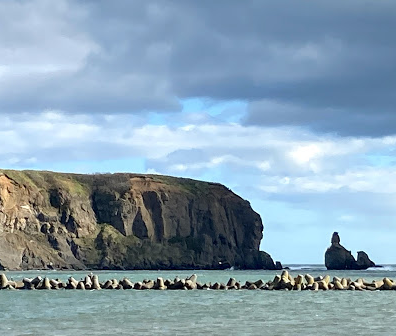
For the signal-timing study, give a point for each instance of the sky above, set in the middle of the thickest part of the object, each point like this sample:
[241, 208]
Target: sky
[291, 104]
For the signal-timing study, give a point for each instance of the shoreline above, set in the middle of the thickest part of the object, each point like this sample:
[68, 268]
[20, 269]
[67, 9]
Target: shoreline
[288, 267]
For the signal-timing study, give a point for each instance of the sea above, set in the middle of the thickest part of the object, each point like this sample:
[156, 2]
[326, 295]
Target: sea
[199, 312]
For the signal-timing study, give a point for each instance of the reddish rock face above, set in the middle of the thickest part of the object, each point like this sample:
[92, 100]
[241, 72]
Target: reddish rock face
[124, 221]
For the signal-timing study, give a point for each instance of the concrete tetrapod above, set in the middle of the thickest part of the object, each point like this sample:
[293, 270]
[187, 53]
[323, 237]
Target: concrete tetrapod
[284, 282]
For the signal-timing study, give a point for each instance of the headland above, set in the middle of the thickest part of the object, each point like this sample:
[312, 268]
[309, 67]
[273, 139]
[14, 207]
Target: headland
[124, 221]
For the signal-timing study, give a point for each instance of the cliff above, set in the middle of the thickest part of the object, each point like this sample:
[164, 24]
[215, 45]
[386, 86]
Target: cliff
[124, 221]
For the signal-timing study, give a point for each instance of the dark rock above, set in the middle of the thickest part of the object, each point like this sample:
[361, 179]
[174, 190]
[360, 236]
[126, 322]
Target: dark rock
[231, 282]
[81, 285]
[168, 282]
[36, 281]
[259, 283]
[335, 238]
[138, 285]
[363, 260]
[207, 285]
[338, 257]
[278, 266]
[215, 286]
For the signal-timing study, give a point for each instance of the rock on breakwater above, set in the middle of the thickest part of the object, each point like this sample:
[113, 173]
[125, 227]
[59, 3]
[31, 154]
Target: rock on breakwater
[285, 282]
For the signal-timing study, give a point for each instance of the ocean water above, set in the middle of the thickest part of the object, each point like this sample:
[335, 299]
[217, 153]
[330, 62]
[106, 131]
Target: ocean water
[132, 312]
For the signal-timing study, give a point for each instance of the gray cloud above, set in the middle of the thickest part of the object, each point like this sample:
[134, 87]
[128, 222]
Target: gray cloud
[332, 63]
[352, 121]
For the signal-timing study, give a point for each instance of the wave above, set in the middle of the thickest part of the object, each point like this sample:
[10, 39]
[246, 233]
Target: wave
[306, 267]
[384, 268]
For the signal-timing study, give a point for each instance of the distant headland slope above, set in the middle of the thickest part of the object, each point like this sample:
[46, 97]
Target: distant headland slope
[124, 221]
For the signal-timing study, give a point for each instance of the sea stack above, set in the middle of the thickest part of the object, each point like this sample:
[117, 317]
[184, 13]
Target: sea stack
[337, 257]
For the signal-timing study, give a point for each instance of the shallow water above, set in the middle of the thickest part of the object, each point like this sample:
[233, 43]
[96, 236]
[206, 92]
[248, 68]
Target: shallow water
[199, 312]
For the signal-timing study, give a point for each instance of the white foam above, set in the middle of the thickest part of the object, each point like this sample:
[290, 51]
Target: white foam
[386, 268]
[306, 267]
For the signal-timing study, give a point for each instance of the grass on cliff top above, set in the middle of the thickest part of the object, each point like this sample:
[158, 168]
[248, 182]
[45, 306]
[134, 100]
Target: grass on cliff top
[47, 180]
[189, 185]
[81, 184]
[74, 186]
[19, 177]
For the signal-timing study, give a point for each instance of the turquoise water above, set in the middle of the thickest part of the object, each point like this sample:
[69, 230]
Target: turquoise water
[198, 312]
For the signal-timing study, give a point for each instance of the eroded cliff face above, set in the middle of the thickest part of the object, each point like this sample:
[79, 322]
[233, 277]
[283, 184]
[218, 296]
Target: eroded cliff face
[124, 221]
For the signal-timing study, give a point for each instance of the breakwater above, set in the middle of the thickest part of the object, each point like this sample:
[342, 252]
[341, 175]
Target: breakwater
[285, 281]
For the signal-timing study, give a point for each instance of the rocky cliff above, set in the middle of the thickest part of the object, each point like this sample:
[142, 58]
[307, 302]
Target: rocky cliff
[337, 257]
[124, 221]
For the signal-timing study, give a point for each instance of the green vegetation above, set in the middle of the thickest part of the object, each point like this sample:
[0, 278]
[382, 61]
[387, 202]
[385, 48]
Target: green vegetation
[20, 177]
[72, 186]
[192, 186]
[111, 236]
[82, 184]
[47, 180]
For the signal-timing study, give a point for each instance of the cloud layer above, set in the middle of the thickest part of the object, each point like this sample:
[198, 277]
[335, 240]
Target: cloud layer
[302, 184]
[328, 66]
[289, 104]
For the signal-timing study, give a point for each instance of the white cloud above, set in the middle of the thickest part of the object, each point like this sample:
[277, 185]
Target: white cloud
[264, 165]
[304, 154]
[274, 155]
